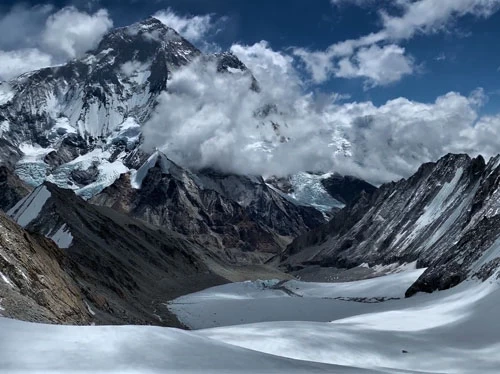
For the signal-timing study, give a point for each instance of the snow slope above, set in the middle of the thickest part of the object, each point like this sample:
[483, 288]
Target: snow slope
[263, 301]
[35, 348]
[454, 332]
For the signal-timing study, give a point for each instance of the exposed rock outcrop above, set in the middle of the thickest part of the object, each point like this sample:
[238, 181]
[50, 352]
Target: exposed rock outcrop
[33, 283]
[126, 269]
[237, 214]
[444, 217]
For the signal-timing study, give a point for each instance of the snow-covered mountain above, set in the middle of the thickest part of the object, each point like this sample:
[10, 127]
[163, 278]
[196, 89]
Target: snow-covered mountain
[445, 217]
[86, 116]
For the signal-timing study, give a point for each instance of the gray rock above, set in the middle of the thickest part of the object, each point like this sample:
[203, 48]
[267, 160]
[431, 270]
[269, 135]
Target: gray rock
[444, 217]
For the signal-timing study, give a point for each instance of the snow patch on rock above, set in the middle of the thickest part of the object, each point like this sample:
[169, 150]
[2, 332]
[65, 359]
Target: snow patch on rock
[62, 237]
[27, 209]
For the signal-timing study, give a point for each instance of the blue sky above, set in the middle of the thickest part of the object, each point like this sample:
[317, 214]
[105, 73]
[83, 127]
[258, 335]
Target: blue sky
[460, 57]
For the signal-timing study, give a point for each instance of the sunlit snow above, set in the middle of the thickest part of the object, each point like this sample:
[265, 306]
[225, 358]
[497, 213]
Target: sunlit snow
[454, 332]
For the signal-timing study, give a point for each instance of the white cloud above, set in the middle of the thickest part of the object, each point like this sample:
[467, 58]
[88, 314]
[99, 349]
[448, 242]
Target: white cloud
[22, 25]
[483, 136]
[269, 67]
[380, 65]
[193, 28]
[130, 68]
[430, 16]
[14, 63]
[72, 33]
[415, 17]
[38, 37]
[440, 57]
[208, 119]
[478, 97]
[320, 64]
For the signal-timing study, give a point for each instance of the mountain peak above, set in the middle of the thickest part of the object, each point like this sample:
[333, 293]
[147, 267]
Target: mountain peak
[152, 22]
[149, 25]
[148, 36]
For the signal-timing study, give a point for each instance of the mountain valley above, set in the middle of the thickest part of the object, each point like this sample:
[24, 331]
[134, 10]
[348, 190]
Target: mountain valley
[105, 239]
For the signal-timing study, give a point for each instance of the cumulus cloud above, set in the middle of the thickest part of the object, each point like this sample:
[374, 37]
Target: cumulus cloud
[40, 36]
[210, 119]
[72, 33]
[413, 17]
[193, 28]
[272, 66]
[379, 65]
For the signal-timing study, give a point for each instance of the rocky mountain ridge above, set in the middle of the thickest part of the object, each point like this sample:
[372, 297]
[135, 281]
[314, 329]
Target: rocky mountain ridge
[124, 268]
[33, 283]
[443, 218]
[238, 214]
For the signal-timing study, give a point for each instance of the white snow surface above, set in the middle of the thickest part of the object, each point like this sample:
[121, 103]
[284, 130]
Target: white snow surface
[4, 278]
[454, 331]
[62, 237]
[4, 127]
[251, 302]
[129, 131]
[62, 127]
[28, 208]
[36, 348]
[386, 287]
[33, 152]
[435, 208]
[109, 172]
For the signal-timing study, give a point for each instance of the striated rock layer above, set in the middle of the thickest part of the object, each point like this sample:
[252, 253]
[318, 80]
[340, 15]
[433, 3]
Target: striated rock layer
[444, 217]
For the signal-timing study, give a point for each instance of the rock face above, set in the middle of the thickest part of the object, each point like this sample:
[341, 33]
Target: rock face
[238, 214]
[444, 217]
[33, 284]
[12, 189]
[125, 269]
[346, 188]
